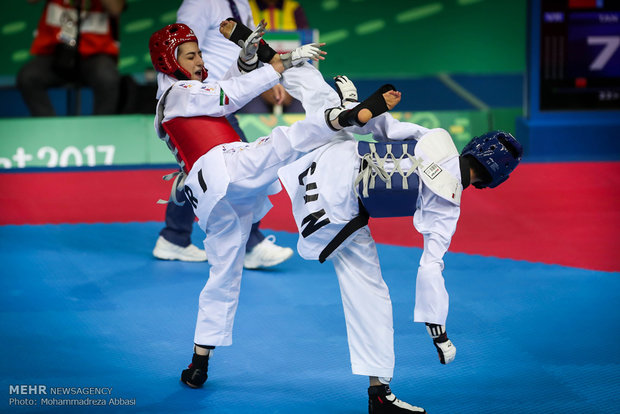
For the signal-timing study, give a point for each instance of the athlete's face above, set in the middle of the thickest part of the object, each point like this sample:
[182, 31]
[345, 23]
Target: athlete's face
[474, 178]
[189, 57]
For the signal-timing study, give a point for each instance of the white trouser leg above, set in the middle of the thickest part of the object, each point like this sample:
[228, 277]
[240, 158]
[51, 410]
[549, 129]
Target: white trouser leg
[307, 84]
[305, 135]
[227, 232]
[252, 170]
[258, 167]
[367, 306]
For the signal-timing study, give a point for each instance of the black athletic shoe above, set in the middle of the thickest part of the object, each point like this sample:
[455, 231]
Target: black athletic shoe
[196, 373]
[382, 401]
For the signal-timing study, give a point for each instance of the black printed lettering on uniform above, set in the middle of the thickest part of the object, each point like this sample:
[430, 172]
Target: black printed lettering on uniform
[310, 197]
[309, 170]
[309, 186]
[201, 181]
[313, 223]
[190, 196]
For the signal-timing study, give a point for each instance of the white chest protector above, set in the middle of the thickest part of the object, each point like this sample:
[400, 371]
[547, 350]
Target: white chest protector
[434, 148]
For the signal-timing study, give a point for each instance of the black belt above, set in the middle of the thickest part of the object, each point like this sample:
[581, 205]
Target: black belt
[351, 227]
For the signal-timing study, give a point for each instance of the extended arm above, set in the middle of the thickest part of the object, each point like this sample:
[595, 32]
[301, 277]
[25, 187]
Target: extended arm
[436, 220]
[193, 98]
[254, 48]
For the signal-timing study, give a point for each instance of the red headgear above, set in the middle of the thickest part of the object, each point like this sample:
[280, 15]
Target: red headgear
[163, 45]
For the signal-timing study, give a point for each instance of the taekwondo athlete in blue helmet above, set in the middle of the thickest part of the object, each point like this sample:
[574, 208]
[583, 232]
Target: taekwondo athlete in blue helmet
[411, 171]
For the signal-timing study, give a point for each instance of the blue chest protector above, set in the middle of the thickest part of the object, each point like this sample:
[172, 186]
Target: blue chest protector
[387, 184]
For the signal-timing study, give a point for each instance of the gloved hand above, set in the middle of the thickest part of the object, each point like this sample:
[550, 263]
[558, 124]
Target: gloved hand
[445, 347]
[302, 53]
[346, 89]
[239, 33]
[446, 351]
[249, 47]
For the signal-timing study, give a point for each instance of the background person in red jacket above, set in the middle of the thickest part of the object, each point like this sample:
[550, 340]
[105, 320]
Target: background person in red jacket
[75, 41]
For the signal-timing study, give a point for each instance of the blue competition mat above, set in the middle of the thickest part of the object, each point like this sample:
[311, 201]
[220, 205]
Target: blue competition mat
[85, 308]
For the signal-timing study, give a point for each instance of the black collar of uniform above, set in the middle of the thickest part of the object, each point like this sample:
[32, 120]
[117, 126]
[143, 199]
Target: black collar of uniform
[465, 173]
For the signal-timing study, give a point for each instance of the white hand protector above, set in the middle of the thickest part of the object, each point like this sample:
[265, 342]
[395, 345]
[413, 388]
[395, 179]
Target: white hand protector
[300, 54]
[445, 347]
[346, 89]
[250, 46]
[446, 351]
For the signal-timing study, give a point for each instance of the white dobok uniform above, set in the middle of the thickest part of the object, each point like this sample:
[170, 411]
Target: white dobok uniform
[331, 201]
[228, 186]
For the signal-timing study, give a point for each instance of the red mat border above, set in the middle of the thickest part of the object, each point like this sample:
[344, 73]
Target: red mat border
[557, 213]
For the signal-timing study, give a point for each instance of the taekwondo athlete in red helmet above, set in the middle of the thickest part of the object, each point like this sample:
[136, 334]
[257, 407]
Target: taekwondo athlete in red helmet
[410, 171]
[227, 181]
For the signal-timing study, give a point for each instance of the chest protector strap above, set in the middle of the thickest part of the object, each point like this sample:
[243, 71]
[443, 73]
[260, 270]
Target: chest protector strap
[387, 184]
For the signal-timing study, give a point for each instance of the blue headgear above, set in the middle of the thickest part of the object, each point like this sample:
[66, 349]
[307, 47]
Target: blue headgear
[498, 152]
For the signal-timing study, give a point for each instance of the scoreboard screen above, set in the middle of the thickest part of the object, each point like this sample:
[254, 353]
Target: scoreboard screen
[579, 55]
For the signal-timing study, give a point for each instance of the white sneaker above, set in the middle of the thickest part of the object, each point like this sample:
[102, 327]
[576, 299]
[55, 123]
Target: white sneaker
[168, 251]
[266, 254]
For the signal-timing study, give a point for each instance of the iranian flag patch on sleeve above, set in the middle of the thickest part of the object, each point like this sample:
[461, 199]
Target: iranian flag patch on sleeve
[223, 98]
